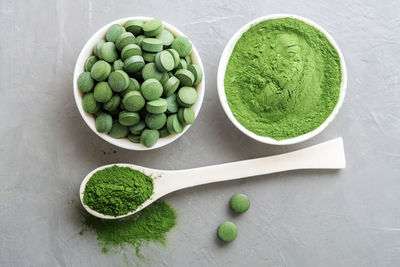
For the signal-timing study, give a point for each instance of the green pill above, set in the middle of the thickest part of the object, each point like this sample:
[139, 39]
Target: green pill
[187, 96]
[185, 77]
[85, 82]
[118, 65]
[227, 231]
[150, 71]
[164, 132]
[173, 124]
[140, 39]
[109, 52]
[118, 80]
[181, 64]
[89, 104]
[104, 123]
[89, 62]
[102, 92]
[134, 64]
[239, 203]
[133, 101]
[130, 50]
[149, 138]
[155, 121]
[166, 37]
[172, 104]
[182, 45]
[113, 32]
[157, 106]
[188, 59]
[133, 86]
[134, 138]
[164, 77]
[113, 104]
[197, 73]
[137, 128]
[149, 57]
[186, 115]
[134, 26]
[100, 70]
[152, 45]
[97, 48]
[164, 61]
[153, 27]
[170, 86]
[128, 118]
[175, 55]
[125, 39]
[118, 130]
[151, 89]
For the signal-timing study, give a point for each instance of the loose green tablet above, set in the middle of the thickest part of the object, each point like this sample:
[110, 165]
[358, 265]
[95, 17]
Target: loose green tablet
[182, 45]
[150, 71]
[187, 96]
[173, 124]
[137, 128]
[157, 106]
[113, 103]
[133, 86]
[89, 104]
[197, 73]
[164, 61]
[85, 82]
[97, 48]
[186, 115]
[133, 101]
[134, 138]
[103, 123]
[130, 50]
[100, 70]
[118, 130]
[89, 62]
[175, 55]
[227, 231]
[181, 64]
[118, 65]
[149, 137]
[149, 57]
[134, 64]
[113, 32]
[152, 45]
[172, 104]
[188, 59]
[156, 121]
[239, 203]
[125, 39]
[166, 37]
[118, 80]
[153, 27]
[164, 77]
[164, 132]
[185, 77]
[128, 118]
[109, 52]
[151, 89]
[102, 92]
[140, 39]
[134, 26]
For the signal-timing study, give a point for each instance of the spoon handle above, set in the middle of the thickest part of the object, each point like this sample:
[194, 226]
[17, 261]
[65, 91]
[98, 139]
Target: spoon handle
[327, 155]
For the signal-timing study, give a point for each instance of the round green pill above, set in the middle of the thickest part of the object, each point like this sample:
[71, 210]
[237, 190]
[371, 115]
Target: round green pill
[137, 128]
[239, 203]
[185, 77]
[172, 104]
[118, 80]
[173, 124]
[188, 59]
[128, 118]
[133, 86]
[113, 103]
[104, 123]
[118, 130]
[151, 89]
[118, 65]
[134, 26]
[113, 32]
[181, 64]
[186, 115]
[227, 231]
[85, 82]
[134, 64]
[153, 27]
[89, 62]
[100, 70]
[140, 39]
[175, 55]
[164, 132]
[155, 121]
[164, 61]
[157, 106]
[197, 73]
[187, 96]
[133, 101]
[134, 138]
[182, 45]
[125, 39]
[149, 137]
[109, 52]
[166, 37]
[89, 104]
[164, 77]
[149, 57]
[102, 92]
[97, 48]
[152, 45]
[130, 50]
[150, 71]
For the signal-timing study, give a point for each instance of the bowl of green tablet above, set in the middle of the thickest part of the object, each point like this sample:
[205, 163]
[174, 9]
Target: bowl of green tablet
[281, 79]
[139, 83]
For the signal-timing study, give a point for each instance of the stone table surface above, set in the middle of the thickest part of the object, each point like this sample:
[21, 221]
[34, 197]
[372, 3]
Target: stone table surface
[300, 218]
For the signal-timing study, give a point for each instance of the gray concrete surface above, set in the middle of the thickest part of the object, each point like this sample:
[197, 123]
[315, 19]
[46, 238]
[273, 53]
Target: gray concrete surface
[300, 218]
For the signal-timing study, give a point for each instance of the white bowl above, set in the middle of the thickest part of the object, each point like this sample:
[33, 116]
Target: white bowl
[221, 89]
[89, 118]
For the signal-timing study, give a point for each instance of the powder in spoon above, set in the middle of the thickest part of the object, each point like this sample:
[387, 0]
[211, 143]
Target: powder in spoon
[283, 78]
[117, 190]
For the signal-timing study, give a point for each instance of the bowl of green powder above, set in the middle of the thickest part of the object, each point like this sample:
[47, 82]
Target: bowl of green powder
[281, 79]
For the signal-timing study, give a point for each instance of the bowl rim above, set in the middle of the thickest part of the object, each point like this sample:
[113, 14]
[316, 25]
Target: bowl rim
[89, 119]
[221, 88]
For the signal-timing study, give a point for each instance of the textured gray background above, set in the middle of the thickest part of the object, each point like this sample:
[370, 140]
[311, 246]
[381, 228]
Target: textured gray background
[301, 218]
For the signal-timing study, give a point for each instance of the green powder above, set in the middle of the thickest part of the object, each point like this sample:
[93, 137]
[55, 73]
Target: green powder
[283, 78]
[117, 190]
[148, 225]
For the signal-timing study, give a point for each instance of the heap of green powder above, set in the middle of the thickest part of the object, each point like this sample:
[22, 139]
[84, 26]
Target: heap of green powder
[117, 190]
[283, 78]
[148, 225]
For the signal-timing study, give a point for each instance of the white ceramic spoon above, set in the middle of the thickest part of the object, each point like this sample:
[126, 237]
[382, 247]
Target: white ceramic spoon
[327, 155]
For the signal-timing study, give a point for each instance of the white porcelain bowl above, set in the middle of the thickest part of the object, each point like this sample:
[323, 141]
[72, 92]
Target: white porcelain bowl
[89, 118]
[221, 89]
